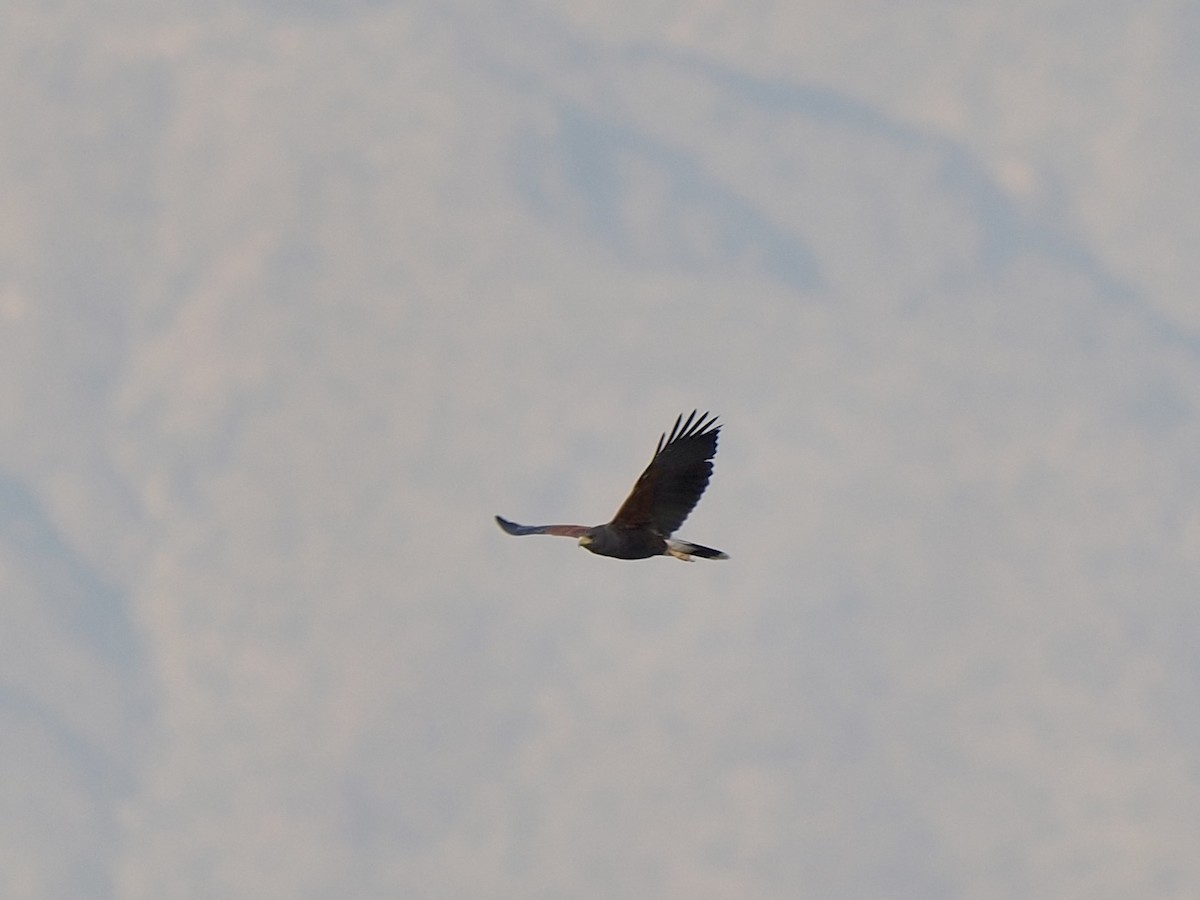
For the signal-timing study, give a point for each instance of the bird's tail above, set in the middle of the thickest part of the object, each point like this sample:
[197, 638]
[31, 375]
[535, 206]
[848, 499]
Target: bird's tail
[685, 550]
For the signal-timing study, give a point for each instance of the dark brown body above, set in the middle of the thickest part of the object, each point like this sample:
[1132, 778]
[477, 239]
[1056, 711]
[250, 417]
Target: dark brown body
[624, 543]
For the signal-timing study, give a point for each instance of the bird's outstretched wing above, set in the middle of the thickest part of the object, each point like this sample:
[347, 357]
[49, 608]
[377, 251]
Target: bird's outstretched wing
[675, 479]
[559, 530]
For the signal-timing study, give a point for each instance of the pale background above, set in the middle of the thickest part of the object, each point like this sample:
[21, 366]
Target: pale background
[295, 296]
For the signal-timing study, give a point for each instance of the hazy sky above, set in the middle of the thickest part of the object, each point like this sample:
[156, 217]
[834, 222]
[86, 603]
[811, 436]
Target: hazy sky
[294, 297]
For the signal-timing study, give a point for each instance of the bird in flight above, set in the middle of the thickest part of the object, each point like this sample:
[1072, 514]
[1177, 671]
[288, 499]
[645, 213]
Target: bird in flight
[662, 498]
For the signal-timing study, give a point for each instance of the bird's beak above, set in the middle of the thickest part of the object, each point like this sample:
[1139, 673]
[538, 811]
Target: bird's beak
[584, 541]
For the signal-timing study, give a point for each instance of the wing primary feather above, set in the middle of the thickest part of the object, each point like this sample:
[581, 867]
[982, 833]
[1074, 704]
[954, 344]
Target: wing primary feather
[665, 441]
[688, 423]
[684, 428]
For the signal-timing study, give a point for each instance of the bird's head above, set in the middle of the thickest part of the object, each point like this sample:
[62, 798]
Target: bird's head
[594, 540]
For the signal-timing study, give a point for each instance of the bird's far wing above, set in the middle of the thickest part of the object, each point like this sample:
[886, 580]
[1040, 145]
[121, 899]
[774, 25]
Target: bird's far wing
[558, 530]
[675, 479]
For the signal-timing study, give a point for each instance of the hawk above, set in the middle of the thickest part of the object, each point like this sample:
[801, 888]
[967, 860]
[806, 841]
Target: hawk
[662, 498]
